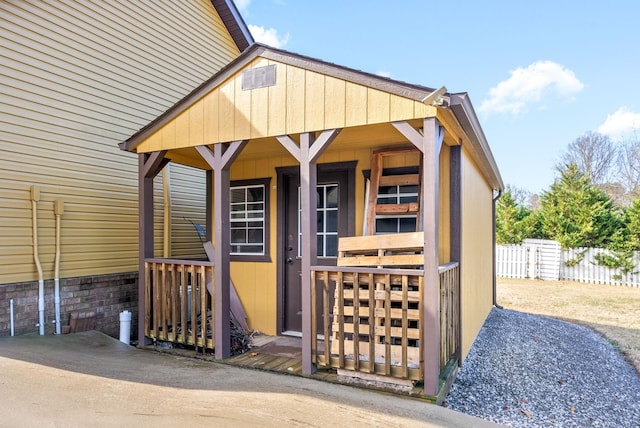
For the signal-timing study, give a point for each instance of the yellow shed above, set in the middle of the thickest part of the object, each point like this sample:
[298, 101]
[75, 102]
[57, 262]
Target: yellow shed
[348, 208]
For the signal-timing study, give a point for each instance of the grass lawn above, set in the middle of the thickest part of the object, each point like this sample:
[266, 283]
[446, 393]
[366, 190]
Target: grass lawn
[613, 311]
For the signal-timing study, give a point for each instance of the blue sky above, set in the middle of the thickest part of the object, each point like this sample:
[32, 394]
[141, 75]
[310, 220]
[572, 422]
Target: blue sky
[539, 73]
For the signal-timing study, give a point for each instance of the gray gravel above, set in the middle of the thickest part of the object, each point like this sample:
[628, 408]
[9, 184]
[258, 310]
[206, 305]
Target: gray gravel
[529, 370]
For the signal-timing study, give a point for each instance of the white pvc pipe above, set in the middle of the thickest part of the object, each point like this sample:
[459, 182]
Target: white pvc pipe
[58, 209]
[35, 197]
[13, 331]
[56, 302]
[41, 307]
[125, 327]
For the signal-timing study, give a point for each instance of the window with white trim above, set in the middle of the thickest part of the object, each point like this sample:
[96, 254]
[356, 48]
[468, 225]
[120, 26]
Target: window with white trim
[249, 218]
[327, 212]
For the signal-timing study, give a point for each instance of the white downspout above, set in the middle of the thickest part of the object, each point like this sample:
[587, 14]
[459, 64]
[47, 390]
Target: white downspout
[13, 330]
[58, 209]
[35, 197]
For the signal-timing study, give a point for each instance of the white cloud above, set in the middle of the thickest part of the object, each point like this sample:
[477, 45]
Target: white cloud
[383, 73]
[621, 124]
[268, 36]
[528, 86]
[242, 5]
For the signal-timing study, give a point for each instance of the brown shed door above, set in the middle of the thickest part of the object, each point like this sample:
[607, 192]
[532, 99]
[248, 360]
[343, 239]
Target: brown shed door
[332, 223]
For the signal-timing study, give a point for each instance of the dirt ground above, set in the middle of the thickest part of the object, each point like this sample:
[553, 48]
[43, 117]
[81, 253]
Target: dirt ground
[613, 311]
[90, 379]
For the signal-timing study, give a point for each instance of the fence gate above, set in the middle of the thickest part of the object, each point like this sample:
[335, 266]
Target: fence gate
[546, 256]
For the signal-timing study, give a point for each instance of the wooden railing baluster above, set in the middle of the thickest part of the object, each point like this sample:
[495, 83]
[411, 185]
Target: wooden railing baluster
[175, 296]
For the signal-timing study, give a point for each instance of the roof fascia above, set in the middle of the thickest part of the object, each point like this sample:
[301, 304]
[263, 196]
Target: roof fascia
[464, 112]
[406, 90]
[235, 24]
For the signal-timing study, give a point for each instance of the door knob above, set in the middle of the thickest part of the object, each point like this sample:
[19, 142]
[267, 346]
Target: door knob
[289, 260]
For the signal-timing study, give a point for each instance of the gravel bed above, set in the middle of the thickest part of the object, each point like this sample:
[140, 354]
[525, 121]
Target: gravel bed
[529, 370]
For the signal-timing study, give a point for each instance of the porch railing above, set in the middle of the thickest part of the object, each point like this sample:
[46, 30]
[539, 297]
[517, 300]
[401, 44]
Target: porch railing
[376, 314]
[449, 312]
[179, 301]
[372, 322]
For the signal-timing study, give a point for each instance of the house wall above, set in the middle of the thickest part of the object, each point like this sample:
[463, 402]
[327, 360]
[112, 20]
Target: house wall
[76, 79]
[100, 297]
[180, 193]
[476, 264]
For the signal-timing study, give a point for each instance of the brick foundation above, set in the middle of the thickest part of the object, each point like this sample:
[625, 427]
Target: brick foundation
[105, 295]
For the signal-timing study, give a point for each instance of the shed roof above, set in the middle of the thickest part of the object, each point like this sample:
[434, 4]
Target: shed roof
[348, 98]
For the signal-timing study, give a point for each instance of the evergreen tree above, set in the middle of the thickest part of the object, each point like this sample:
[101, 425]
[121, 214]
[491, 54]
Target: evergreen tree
[633, 225]
[514, 222]
[576, 213]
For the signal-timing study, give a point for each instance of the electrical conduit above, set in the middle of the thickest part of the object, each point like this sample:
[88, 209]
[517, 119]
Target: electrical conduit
[35, 197]
[58, 209]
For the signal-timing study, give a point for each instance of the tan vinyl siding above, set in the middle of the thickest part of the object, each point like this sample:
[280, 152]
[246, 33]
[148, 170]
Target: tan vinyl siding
[186, 189]
[477, 252]
[188, 204]
[76, 79]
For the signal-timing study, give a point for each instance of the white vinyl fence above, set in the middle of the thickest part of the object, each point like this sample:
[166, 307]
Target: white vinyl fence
[544, 259]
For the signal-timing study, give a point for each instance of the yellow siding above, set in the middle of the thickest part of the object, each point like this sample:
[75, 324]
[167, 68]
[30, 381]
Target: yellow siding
[256, 282]
[356, 104]
[277, 98]
[477, 252]
[76, 79]
[444, 233]
[300, 101]
[295, 101]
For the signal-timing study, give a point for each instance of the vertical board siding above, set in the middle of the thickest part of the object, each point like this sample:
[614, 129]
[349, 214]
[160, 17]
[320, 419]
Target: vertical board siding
[444, 206]
[476, 264]
[300, 101]
[76, 79]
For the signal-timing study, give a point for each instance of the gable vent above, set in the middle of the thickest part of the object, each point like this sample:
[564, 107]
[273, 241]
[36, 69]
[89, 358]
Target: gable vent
[260, 77]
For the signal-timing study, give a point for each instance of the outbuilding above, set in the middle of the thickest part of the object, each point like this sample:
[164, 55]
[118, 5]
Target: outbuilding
[348, 208]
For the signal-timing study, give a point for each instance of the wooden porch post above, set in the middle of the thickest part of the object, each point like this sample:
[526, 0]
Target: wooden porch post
[220, 161]
[309, 229]
[430, 143]
[149, 165]
[433, 136]
[307, 154]
[221, 260]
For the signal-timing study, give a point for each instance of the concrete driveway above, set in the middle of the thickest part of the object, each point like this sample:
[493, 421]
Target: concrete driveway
[90, 379]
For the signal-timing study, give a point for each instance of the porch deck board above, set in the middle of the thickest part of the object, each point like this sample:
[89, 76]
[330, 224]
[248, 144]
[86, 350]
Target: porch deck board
[277, 354]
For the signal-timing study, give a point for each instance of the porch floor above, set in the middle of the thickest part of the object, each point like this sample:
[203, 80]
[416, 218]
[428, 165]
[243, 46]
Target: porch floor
[279, 354]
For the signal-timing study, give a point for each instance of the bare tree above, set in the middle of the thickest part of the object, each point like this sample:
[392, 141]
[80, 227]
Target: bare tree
[629, 166]
[593, 153]
[520, 196]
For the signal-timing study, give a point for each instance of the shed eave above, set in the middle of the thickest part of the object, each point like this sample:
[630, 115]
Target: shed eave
[460, 105]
